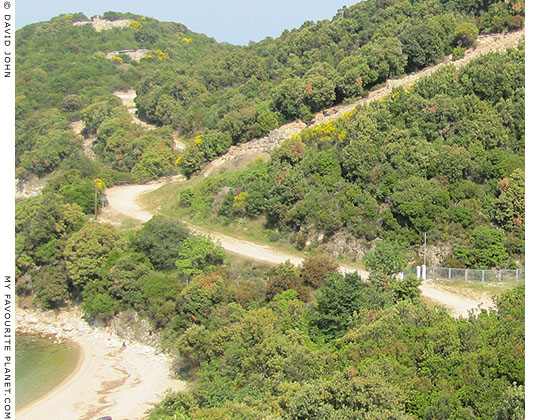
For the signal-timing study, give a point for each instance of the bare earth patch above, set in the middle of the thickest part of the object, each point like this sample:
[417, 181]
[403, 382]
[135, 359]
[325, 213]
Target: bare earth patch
[103, 24]
[457, 304]
[135, 55]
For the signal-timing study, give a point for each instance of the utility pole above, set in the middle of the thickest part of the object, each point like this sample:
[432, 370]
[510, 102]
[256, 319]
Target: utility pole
[424, 268]
[425, 248]
[95, 199]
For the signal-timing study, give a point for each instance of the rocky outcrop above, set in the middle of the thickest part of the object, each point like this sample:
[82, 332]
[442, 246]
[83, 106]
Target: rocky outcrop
[70, 324]
[103, 24]
[28, 188]
[343, 245]
[130, 327]
[260, 145]
[135, 55]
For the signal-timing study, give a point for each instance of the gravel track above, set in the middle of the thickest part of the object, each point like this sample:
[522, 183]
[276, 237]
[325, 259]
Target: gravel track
[125, 199]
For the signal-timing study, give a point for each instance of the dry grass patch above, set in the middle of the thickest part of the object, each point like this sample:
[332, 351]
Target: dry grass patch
[475, 290]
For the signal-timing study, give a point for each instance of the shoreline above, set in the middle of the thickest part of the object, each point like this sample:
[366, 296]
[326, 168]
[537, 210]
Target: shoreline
[113, 376]
[63, 382]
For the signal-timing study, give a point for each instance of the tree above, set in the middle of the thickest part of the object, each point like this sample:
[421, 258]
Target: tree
[156, 160]
[387, 258]
[214, 143]
[72, 103]
[97, 301]
[465, 35]
[352, 72]
[512, 407]
[80, 191]
[488, 247]
[340, 297]
[422, 44]
[51, 286]
[347, 396]
[289, 99]
[161, 239]
[99, 186]
[510, 205]
[284, 277]
[87, 250]
[315, 270]
[406, 289]
[190, 160]
[198, 254]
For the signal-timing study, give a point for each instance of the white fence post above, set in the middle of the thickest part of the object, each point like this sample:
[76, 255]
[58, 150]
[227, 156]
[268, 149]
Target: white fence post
[517, 275]
[424, 273]
[466, 275]
[418, 274]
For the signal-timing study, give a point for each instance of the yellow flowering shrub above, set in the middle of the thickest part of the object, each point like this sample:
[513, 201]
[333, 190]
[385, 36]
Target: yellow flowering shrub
[240, 199]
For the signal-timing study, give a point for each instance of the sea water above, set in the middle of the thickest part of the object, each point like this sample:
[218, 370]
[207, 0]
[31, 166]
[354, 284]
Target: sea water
[40, 365]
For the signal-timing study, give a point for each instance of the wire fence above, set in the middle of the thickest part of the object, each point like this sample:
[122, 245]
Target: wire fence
[466, 274]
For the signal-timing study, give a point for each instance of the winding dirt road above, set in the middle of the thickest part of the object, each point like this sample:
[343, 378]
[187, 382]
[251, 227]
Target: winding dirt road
[125, 200]
[457, 305]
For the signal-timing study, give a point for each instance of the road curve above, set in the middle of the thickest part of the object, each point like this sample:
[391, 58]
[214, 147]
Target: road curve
[125, 199]
[458, 306]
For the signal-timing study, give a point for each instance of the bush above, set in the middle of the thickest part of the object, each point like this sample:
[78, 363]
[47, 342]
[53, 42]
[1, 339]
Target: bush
[161, 239]
[458, 53]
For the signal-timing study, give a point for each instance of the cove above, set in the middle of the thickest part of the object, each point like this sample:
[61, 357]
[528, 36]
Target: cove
[40, 366]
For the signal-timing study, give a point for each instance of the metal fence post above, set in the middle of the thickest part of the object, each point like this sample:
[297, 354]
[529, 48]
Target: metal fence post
[449, 274]
[517, 275]
[466, 275]
[483, 274]
[500, 275]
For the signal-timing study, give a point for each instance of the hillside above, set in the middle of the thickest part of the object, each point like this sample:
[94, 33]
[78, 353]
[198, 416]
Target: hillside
[225, 94]
[444, 155]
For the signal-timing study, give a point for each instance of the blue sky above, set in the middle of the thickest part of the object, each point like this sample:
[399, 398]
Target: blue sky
[233, 21]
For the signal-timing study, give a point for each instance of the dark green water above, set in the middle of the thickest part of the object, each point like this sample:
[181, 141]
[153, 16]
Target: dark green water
[40, 365]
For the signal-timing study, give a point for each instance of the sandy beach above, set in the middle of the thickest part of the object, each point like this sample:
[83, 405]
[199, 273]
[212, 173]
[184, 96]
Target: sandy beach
[114, 377]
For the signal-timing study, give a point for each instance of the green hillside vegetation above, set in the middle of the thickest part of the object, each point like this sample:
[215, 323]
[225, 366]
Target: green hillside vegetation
[63, 76]
[192, 84]
[247, 91]
[279, 342]
[445, 157]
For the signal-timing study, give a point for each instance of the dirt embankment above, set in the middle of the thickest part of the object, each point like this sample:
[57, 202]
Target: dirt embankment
[239, 156]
